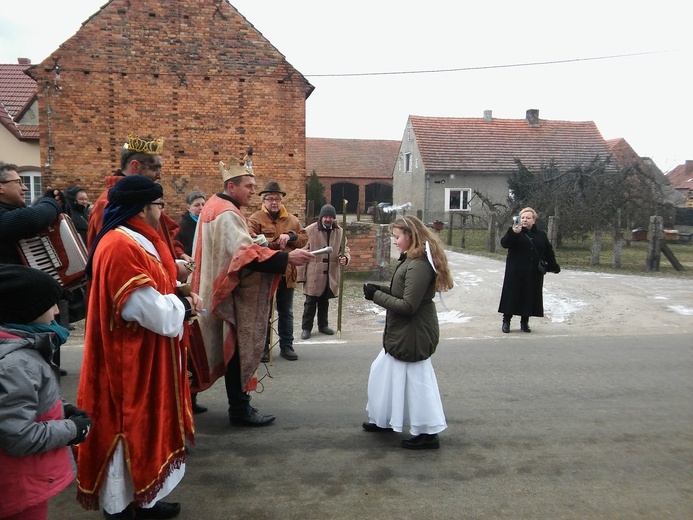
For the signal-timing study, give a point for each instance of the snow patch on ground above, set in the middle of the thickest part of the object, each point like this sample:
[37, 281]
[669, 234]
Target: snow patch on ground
[681, 309]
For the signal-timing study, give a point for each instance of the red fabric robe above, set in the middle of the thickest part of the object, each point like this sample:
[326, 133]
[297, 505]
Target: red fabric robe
[134, 382]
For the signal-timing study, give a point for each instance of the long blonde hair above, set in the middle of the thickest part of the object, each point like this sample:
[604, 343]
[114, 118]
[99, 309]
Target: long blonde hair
[419, 235]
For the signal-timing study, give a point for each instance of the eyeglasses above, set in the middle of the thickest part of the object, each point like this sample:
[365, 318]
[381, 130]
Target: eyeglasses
[162, 205]
[18, 181]
[271, 199]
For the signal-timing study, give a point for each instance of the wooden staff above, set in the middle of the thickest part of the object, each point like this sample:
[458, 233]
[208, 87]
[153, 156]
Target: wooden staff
[341, 269]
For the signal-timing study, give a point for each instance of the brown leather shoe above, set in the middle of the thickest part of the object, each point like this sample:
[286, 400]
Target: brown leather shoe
[288, 353]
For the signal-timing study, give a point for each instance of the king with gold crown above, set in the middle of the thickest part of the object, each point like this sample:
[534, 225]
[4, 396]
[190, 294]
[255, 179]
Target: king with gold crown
[237, 279]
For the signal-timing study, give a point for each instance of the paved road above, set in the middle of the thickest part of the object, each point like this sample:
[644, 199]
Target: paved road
[539, 428]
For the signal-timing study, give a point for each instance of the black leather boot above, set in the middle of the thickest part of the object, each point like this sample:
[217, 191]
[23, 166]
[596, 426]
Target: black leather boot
[506, 324]
[524, 325]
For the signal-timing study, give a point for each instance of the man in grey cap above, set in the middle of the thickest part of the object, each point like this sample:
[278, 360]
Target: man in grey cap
[322, 274]
[283, 232]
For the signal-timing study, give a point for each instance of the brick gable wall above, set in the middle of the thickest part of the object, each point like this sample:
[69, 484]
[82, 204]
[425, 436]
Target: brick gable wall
[195, 72]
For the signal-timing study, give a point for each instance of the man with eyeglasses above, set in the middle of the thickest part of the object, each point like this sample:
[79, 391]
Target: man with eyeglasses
[283, 232]
[17, 221]
[141, 156]
[236, 276]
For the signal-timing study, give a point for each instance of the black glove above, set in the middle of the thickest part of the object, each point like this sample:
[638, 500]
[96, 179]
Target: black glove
[369, 290]
[558, 269]
[83, 424]
[71, 410]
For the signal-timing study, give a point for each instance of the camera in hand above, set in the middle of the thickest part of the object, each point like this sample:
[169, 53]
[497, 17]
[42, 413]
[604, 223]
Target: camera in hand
[516, 220]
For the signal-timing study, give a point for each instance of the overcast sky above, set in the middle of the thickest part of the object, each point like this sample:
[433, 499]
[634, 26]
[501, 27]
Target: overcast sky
[643, 96]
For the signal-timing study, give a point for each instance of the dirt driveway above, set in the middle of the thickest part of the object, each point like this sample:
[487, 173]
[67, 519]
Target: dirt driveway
[575, 303]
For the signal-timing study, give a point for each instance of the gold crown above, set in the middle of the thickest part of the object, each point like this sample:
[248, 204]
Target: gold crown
[236, 169]
[147, 145]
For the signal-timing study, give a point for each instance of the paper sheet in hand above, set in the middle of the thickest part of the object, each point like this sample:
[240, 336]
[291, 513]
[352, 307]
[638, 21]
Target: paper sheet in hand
[323, 251]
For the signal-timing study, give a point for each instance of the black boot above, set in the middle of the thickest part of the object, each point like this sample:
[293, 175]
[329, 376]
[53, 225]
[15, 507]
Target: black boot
[197, 408]
[524, 325]
[506, 323]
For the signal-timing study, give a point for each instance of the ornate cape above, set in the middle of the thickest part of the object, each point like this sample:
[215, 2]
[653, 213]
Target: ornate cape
[238, 300]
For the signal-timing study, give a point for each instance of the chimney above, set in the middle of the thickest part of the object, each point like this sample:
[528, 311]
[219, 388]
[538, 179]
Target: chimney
[533, 117]
[23, 61]
[488, 118]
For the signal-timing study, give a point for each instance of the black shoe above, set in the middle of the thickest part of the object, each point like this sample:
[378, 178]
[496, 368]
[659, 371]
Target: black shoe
[305, 334]
[288, 353]
[127, 514]
[326, 330]
[70, 326]
[62, 371]
[425, 441]
[265, 357]
[506, 327]
[524, 326]
[252, 418]
[372, 427]
[161, 510]
[198, 408]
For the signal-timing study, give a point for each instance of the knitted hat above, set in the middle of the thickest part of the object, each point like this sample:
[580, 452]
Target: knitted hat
[26, 293]
[272, 187]
[134, 191]
[126, 198]
[328, 209]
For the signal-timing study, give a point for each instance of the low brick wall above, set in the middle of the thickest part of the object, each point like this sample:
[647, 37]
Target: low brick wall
[369, 245]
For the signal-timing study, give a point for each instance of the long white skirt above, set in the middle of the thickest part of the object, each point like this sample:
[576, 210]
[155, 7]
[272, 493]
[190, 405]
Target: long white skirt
[118, 490]
[404, 394]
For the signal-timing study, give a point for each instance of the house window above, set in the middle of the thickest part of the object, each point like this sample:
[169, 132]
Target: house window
[31, 180]
[458, 199]
[407, 162]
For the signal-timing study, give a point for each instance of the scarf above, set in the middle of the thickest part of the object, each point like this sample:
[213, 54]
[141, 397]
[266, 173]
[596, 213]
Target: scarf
[59, 333]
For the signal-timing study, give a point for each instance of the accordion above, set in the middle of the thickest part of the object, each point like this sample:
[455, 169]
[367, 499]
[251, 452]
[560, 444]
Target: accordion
[58, 251]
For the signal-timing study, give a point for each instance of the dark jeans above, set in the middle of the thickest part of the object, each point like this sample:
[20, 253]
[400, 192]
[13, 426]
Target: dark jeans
[323, 305]
[239, 401]
[285, 314]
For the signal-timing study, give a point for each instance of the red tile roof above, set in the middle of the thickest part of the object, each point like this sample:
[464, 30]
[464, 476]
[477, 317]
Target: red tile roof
[351, 158]
[475, 145]
[681, 177]
[17, 93]
[627, 158]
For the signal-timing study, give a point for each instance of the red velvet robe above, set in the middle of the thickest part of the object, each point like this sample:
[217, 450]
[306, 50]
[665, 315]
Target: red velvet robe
[134, 382]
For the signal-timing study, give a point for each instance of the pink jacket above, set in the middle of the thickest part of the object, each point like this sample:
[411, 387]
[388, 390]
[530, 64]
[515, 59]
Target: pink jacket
[35, 462]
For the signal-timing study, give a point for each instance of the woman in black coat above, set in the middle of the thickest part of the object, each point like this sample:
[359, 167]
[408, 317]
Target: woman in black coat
[188, 222]
[523, 282]
[77, 203]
